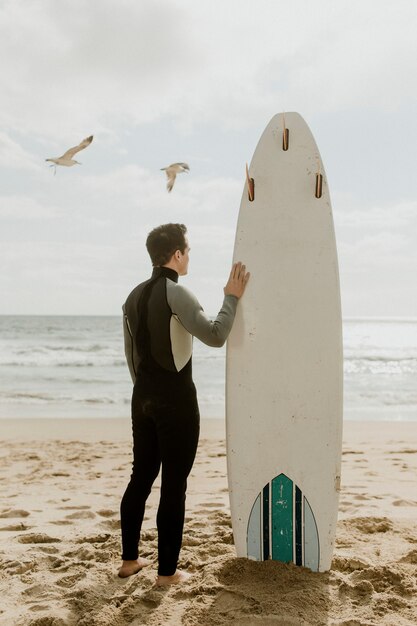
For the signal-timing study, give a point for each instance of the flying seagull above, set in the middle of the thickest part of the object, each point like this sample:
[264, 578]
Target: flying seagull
[172, 171]
[66, 159]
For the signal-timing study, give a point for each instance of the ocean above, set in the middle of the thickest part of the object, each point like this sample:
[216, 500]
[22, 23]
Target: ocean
[74, 366]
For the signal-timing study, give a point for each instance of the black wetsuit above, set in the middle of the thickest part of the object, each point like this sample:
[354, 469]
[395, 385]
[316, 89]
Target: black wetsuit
[160, 319]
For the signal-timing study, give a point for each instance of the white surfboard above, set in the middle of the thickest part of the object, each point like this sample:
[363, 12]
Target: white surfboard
[284, 357]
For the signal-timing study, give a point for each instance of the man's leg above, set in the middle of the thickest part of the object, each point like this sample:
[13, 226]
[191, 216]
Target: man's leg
[146, 464]
[178, 432]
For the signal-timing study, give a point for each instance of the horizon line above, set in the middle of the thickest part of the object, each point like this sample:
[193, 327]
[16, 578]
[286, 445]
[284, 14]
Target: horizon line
[349, 318]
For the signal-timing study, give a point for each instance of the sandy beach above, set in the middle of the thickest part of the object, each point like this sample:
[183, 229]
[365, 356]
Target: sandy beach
[62, 481]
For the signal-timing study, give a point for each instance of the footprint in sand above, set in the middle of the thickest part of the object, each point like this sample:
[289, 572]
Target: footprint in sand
[48, 549]
[212, 504]
[81, 515]
[58, 564]
[102, 538]
[35, 591]
[113, 524]
[85, 553]
[404, 503]
[221, 518]
[227, 601]
[37, 538]
[406, 451]
[38, 607]
[370, 525]
[346, 564]
[106, 513]
[204, 511]
[353, 622]
[410, 557]
[69, 581]
[190, 541]
[343, 543]
[198, 524]
[47, 620]
[14, 513]
[20, 526]
[82, 507]
[385, 579]
[17, 567]
[362, 588]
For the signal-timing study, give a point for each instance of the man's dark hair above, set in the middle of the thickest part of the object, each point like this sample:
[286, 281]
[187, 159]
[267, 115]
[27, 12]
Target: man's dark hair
[164, 240]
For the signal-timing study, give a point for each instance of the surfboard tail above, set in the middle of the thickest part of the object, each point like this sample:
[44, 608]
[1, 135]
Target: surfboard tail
[282, 526]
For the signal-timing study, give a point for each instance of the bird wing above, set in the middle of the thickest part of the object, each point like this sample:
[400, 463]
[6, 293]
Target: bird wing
[171, 176]
[70, 153]
[178, 167]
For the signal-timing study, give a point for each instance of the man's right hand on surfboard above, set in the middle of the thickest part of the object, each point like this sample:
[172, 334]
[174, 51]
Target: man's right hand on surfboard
[238, 280]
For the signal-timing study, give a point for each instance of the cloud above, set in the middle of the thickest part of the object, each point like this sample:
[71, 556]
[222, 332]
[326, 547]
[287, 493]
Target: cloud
[85, 256]
[401, 215]
[13, 156]
[101, 66]
[20, 207]
[154, 79]
[85, 249]
[83, 62]
[357, 66]
[378, 258]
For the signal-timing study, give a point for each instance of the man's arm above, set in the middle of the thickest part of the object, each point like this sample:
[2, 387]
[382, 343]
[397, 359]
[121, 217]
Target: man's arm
[189, 311]
[191, 315]
[128, 339]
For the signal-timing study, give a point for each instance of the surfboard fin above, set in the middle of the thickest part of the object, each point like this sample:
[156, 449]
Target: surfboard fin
[251, 185]
[285, 135]
[319, 185]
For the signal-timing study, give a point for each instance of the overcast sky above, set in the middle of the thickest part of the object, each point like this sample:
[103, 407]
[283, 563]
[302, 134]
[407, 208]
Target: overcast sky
[163, 81]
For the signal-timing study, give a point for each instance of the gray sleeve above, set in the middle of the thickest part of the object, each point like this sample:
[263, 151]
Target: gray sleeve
[191, 315]
[128, 339]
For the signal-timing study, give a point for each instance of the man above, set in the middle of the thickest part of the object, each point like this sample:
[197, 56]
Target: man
[160, 319]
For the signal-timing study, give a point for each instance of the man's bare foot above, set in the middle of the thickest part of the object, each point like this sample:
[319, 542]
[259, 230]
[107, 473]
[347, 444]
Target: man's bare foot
[132, 567]
[176, 579]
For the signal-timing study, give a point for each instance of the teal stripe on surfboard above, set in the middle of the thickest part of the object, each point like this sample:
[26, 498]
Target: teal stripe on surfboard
[271, 522]
[282, 519]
